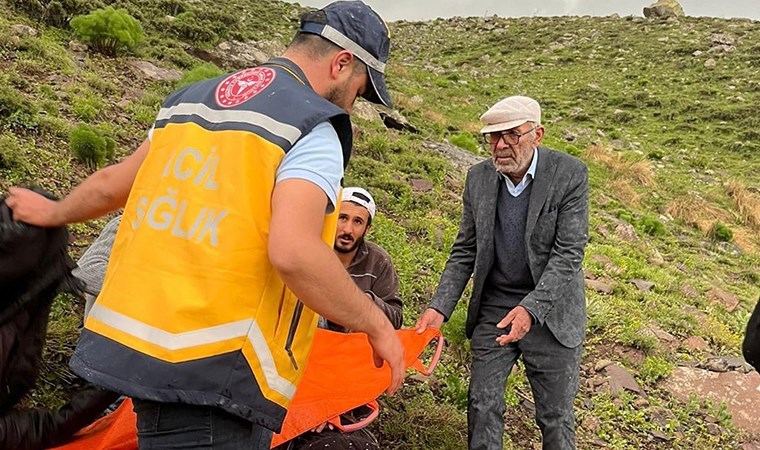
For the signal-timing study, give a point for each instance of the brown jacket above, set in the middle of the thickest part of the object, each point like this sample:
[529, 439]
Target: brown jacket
[373, 272]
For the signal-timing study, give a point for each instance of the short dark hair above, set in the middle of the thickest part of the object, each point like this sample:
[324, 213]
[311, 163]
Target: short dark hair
[316, 45]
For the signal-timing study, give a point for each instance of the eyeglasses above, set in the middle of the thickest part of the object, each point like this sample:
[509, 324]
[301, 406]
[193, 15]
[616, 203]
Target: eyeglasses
[509, 137]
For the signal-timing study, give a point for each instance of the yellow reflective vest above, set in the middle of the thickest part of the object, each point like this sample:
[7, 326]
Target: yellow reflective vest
[192, 310]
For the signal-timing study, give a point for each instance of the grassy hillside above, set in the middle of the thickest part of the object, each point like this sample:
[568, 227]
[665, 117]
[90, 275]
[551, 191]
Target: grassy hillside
[662, 112]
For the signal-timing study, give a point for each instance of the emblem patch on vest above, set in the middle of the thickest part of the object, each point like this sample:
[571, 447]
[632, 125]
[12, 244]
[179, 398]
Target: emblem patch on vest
[242, 86]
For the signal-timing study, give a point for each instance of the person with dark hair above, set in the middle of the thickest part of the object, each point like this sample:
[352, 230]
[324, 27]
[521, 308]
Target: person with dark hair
[34, 268]
[368, 264]
[751, 343]
[222, 262]
[522, 238]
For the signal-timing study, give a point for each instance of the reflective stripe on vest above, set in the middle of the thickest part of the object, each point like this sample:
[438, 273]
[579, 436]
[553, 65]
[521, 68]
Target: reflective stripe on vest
[285, 131]
[210, 335]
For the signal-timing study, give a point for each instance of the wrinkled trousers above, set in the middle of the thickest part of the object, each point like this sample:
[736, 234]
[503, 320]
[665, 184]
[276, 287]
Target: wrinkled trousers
[552, 370]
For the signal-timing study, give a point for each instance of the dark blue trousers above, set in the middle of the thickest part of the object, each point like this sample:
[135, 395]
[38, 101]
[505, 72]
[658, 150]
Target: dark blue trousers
[181, 426]
[552, 370]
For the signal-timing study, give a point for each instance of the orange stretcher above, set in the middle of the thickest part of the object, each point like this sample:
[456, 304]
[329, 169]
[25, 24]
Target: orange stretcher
[339, 376]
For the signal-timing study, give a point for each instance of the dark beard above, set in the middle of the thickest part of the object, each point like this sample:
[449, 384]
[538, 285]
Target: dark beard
[356, 245]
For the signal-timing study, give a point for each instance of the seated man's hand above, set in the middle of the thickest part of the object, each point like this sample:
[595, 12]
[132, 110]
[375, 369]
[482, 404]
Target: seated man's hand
[320, 428]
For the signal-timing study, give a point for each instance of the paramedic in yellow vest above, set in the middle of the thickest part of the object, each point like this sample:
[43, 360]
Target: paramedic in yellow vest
[230, 199]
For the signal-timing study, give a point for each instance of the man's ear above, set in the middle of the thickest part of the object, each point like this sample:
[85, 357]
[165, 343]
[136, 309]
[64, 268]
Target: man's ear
[341, 63]
[539, 134]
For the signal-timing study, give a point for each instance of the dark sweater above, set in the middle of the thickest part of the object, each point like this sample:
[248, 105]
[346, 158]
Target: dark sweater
[510, 279]
[373, 272]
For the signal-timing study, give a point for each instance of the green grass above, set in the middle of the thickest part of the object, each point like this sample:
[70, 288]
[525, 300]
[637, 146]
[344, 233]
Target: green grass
[630, 86]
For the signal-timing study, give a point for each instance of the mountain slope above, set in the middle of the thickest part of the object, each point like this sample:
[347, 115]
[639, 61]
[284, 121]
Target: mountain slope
[663, 113]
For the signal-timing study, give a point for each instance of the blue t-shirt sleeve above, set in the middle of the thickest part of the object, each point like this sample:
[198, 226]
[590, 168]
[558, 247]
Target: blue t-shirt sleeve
[317, 158]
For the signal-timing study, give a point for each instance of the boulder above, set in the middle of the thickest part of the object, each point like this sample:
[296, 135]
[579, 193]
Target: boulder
[689, 291]
[695, 343]
[722, 39]
[460, 158]
[599, 286]
[726, 364]
[643, 285]
[365, 111]
[626, 232]
[419, 185]
[661, 335]
[739, 391]
[77, 47]
[394, 120]
[607, 263]
[23, 30]
[240, 55]
[569, 136]
[620, 379]
[663, 9]
[153, 72]
[726, 299]
[602, 364]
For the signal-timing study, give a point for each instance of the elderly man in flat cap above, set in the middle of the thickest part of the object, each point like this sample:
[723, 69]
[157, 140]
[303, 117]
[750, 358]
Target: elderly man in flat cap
[523, 233]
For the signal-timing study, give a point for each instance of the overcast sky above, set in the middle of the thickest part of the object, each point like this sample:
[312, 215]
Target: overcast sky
[429, 9]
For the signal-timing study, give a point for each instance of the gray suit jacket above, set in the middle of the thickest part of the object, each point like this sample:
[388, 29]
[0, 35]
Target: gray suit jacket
[555, 238]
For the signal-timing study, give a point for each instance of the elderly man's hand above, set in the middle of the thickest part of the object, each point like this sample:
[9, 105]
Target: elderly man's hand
[520, 320]
[32, 208]
[429, 319]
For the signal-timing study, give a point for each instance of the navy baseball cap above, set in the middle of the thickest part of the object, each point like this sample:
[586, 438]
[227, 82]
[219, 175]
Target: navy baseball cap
[354, 26]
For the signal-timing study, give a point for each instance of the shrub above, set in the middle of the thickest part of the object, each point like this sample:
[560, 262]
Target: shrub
[200, 72]
[465, 141]
[172, 53]
[651, 226]
[56, 14]
[377, 146]
[455, 328]
[89, 145]
[12, 153]
[86, 107]
[172, 7]
[721, 232]
[190, 28]
[656, 155]
[654, 368]
[53, 12]
[631, 335]
[110, 149]
[622, 214]
[17, 113]
[54, 127]
[109, 31]
[571, 149]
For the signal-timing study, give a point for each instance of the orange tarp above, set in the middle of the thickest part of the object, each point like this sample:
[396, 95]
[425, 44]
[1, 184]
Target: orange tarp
[339, 377]
[116, 431]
